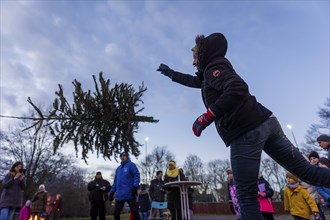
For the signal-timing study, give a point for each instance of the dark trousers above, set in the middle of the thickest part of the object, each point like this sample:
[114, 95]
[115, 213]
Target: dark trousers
[245, 155]
[176, 214]
[132, 205]
[98, 209]
[267, 215]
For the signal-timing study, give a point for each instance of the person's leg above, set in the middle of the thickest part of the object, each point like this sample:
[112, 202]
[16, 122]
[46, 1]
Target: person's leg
[102, 210]
[118, 207]
[280, 149]
[245, 161]
[161, 212]
[94, 210]
[319, 206]
[178, 214]
[11, 213]
[4, 213]
[268, 215]
[134, 209]
[173, 214]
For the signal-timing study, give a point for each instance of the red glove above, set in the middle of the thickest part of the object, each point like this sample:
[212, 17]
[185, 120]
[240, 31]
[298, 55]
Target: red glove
[202, 122]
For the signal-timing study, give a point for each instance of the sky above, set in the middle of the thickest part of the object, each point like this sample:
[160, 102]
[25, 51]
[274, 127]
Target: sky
[280, 48]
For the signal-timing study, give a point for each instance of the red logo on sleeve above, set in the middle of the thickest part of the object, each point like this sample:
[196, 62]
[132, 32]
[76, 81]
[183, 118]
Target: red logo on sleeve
[216, 73]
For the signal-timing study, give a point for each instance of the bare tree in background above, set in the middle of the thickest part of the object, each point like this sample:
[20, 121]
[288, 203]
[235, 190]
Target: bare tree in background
[322, 127]
[34, 149]
[156, 160]
[274, 174]
[194, 169]
[217, 171]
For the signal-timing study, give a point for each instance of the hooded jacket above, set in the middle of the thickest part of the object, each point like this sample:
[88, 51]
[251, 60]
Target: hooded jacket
[265, 202]
[298, 202]
[127, 177]
[224, 91]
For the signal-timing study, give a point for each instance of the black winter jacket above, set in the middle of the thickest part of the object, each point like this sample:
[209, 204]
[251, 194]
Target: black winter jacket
[227, 95]
[95, 191]
[156, 190]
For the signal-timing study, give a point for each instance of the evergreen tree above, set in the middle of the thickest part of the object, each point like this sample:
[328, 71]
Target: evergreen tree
[102, 122]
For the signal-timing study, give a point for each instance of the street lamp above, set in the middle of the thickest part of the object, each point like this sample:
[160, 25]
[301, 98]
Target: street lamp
[294, 138]
[146, 145]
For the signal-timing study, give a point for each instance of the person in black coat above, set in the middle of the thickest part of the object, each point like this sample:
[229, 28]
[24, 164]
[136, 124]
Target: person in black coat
[157, 192]
[242, 122]
[98, 194]
[173, 193]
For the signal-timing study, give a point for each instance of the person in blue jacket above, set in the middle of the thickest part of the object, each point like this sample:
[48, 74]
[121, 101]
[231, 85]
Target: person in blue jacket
[324, 191]
[125, 187]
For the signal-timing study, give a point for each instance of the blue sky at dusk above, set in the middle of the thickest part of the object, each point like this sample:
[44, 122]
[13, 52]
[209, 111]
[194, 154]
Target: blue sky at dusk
[280, 48]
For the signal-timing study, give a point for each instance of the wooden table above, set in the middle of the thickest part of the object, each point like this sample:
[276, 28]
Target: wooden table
[184, 185]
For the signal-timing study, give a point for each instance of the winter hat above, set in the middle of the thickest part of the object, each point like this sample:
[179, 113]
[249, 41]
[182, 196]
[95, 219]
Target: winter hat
[291, 176]
[229, 171]
[123, 154]
[98, 173]
[313, 154]
[42, 187]
[323, 137]
[28, 203]
[324, 161]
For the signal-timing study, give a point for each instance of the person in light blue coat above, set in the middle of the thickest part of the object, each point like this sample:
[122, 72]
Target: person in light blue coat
[324, 191]
[125, 186]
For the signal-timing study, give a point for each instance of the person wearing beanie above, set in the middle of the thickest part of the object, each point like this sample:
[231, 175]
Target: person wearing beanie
[39, 202]
[243, 123]
[125, 187]
[24, 213]
[98, 195]
[324, 191]
[313, 158]
[297, 200]
[324, 142]
[173, 193]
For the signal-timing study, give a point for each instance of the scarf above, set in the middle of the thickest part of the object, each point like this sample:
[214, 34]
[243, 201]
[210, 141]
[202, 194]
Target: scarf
[293, 186]
[172, 173]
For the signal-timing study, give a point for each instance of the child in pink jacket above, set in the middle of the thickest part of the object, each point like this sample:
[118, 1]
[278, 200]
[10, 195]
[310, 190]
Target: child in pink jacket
[24, 214]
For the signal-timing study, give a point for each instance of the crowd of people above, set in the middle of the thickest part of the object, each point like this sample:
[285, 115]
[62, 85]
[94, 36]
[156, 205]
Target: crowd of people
[41, 205]
[301, 198]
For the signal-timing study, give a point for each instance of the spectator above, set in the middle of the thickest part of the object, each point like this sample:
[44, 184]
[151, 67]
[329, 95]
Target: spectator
[144, 202]
[232, 194]
[157, 192]
[12, 193]
[39, 203]
[324, 191]
[98, 194]
[125, 187]
[265, 193]
[49, 207]
[297, 200]
[313, 158]
[324, 142]
[24, 214]
[57, 207]
[173, 193]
